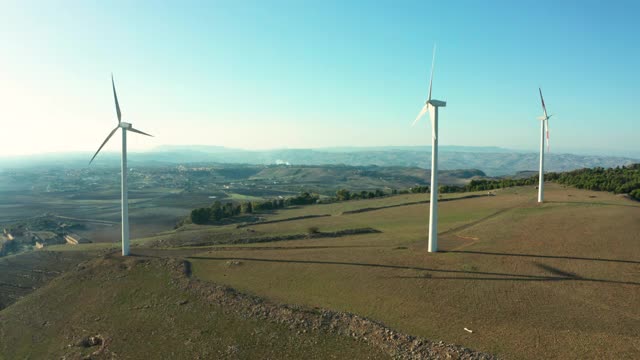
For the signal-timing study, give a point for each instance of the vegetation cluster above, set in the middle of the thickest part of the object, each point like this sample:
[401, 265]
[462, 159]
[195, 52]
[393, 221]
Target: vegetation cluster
[618, 180]
[218, 210]
[488, 184]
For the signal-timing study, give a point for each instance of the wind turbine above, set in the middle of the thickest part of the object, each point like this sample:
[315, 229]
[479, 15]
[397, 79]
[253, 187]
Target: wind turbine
[125, 198]
[544, 127]
[431, 106]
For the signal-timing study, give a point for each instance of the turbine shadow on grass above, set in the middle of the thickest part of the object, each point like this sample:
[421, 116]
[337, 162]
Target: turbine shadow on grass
[279, 248]
[144, 252]
[588, 203]
[498, 276]
[541, 256]
[142, 256]
[558, 272]
[476, 222]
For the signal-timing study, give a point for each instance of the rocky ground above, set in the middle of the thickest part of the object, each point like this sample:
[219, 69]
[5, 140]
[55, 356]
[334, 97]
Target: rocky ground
[301, 319]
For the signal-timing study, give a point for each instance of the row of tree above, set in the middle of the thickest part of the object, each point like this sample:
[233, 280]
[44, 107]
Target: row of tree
[618, 180]
[344, 195]
[218, 210]
[488, 184]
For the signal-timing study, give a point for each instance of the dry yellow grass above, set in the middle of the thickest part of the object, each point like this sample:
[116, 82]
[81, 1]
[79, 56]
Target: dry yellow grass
[559, 280]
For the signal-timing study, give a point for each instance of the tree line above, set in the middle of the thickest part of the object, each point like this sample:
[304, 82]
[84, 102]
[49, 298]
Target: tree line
[488, 184]
[619, 180]
[219, 210]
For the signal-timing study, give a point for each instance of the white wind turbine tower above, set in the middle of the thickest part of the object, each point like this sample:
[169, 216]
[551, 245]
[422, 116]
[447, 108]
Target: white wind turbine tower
[125, 199]
[544, 127]
[431, 106]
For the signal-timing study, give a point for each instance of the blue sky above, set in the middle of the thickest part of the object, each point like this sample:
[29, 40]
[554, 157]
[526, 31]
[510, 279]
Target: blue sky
[294, 74]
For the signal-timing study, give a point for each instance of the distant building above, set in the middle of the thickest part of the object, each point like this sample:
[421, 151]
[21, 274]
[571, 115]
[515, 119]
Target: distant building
[7, 234]
[45, 238]
[75, 239]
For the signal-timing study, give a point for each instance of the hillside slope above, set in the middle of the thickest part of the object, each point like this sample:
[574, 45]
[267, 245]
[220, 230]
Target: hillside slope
[142, 307]
[134, 309]
[555, 280]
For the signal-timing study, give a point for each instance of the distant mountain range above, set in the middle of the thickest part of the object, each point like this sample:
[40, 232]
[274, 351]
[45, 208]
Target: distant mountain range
[494, 161]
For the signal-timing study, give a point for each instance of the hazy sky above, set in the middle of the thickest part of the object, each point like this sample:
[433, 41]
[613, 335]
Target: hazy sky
[268, 74]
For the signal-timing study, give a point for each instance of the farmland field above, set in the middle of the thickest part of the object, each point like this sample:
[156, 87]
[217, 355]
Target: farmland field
[161, 196]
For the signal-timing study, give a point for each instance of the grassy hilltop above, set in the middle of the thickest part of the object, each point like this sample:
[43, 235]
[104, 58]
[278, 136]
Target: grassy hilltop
[531, 281]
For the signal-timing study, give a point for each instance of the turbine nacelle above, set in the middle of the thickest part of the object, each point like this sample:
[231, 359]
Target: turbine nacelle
[125, 125]
[436, 103]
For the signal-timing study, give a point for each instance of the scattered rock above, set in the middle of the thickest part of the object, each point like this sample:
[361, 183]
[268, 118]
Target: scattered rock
[89, 341]
[232, 349]
[301, 319]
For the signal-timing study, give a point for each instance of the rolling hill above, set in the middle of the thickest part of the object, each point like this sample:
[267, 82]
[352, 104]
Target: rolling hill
[528, 281]
[493, 161]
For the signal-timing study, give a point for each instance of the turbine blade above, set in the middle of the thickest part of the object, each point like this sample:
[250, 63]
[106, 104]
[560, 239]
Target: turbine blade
[544, 107]
[139, 132]
[105, 141]
[546, 125]
[432, 114]
[433, 63]
[422, 112]
[115, 96]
